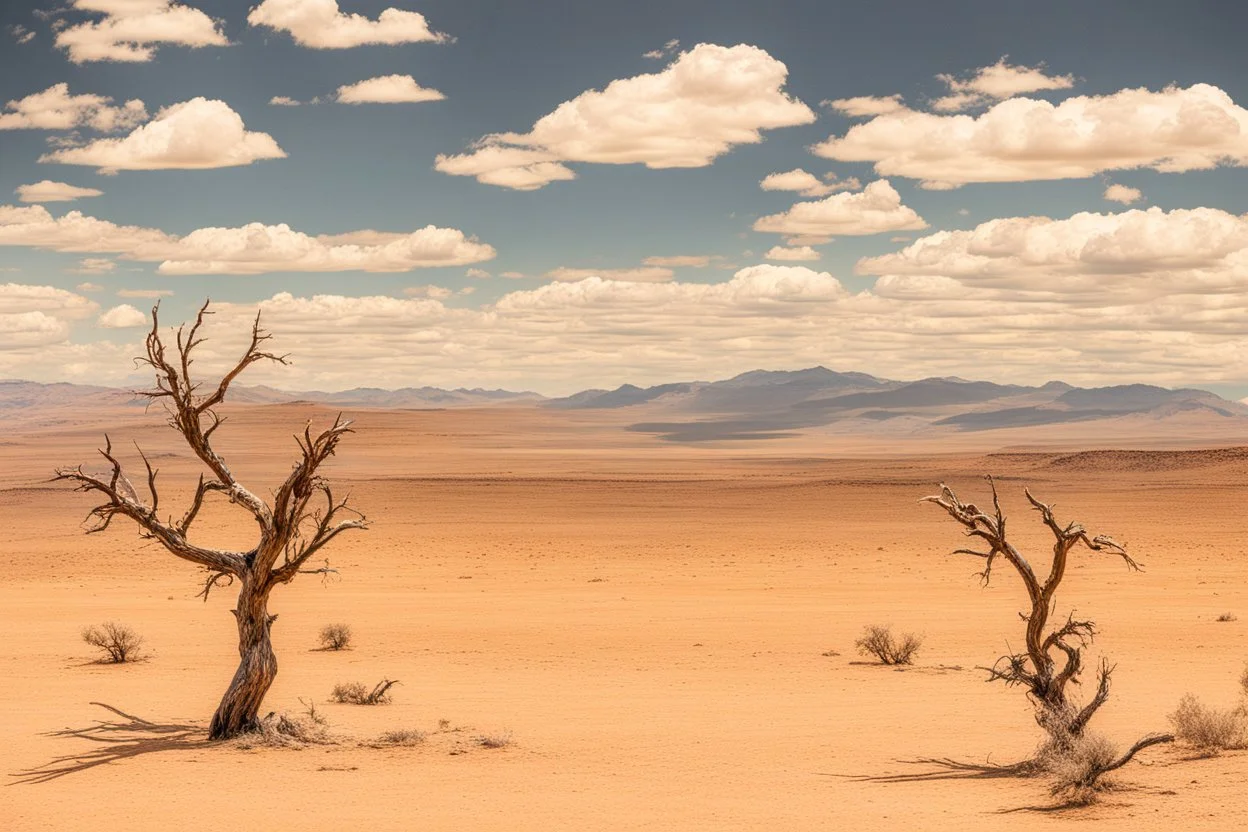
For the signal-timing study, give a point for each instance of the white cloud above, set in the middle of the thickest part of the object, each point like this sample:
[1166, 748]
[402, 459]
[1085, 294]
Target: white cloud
[21, 34]
[866, 105]
[132, 30]
[387, 89]
[1123, 194]
[56, 109]
[48, 191]
[195, 134]
[94, 265]
[807, 184]
[797, 253]
[997, 82]
[479, 274]
[1022, 139]
[639, 274]
[875, 210]
[321, 24]
[146, 294]
[668, 48]
[284, 101]
[251, 249]
[434, 292]
[708, 100]
[512, 275]
[89, 287]
[692, 261]
[124, 316]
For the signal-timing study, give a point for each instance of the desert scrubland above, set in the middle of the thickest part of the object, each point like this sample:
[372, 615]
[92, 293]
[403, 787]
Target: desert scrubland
[665, 631]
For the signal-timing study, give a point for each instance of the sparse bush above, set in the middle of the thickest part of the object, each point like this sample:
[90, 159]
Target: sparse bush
[499, 739]
[879, 642]
[1075, 771]
[405, 737]
[1209, 730]
[314, 716]
[335, 637]
[281, 731]
[355, 693]
[119, 642]
[1228, 616]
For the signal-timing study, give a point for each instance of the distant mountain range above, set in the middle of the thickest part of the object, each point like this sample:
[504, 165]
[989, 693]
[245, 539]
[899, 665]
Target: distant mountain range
[760, 404]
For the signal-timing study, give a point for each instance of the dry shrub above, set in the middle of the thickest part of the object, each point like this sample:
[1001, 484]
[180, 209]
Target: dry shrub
[404, 737]
[1210, 730]
[355, 693]
[281, 731]
[499, 739]
[335, 637]
[1228, 616]
[1076, 770]
[119, 642]
[879, 642]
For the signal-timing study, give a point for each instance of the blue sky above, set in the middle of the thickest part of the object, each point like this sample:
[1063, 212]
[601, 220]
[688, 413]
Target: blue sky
[864, 304]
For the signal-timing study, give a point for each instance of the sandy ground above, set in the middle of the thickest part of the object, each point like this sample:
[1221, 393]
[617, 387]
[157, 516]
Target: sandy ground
[666, 633]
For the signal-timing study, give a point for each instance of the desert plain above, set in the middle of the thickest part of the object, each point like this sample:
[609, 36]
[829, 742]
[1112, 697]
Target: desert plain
[664, 631]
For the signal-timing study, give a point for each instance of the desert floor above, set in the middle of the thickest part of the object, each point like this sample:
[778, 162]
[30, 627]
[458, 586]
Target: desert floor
[666, 632]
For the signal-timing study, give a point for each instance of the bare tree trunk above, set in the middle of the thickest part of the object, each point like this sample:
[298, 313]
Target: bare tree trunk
[239, 710]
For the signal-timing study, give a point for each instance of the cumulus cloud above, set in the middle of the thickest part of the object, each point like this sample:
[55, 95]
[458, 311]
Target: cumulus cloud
[708, 100]
[875, 210]
[692, 261]
[254, 248]
[284, 101]
[668, 48]
[48, 191]
[195, 134]
[796, 253]
[997, 82]
[434, 292]
[1021, 139]
[132, 30]
[1132, 256]
[807, 184]
[56, 109]
[124, 316]
[479, 274]
[387, 89]
[863, 106]
[94, 265]
[639, 274]
[1123, 194]
[321, 24]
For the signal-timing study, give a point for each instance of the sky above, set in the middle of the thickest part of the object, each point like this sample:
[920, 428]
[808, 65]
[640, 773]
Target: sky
[553, 196]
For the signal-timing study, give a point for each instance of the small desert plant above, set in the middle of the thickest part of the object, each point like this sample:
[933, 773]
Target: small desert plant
[401, 737]
[335, 637]
[355, 693]
[1228, 616]
[119, 642]
[1209, 730]
[1075, 772]
[879, 642]
[313, 715]
[281, 731]
[499, 739]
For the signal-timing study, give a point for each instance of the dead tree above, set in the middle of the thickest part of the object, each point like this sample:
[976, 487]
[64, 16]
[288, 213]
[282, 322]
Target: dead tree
[1053, 658]
[303, 516]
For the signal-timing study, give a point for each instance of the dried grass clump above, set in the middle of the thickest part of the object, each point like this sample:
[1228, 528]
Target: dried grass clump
[1077, 771]
[119, 642]
[1228, 616]
[1207, 729]
[402, 737]
[879, 642]
[355, 693]
[282, 731]
[335, 637]
[499, 739]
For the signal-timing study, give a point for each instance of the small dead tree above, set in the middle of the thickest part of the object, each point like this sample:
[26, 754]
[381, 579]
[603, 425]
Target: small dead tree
[303, 516]
[1053, 658]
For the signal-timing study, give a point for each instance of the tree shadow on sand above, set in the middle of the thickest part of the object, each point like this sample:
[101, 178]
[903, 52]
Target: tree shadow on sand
[944, 768]
[118, 741]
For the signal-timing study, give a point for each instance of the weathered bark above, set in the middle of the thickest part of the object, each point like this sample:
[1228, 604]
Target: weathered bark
[239, 710]
[291, 530]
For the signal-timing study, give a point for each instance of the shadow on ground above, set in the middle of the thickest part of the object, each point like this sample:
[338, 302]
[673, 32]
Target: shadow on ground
[117, 740]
